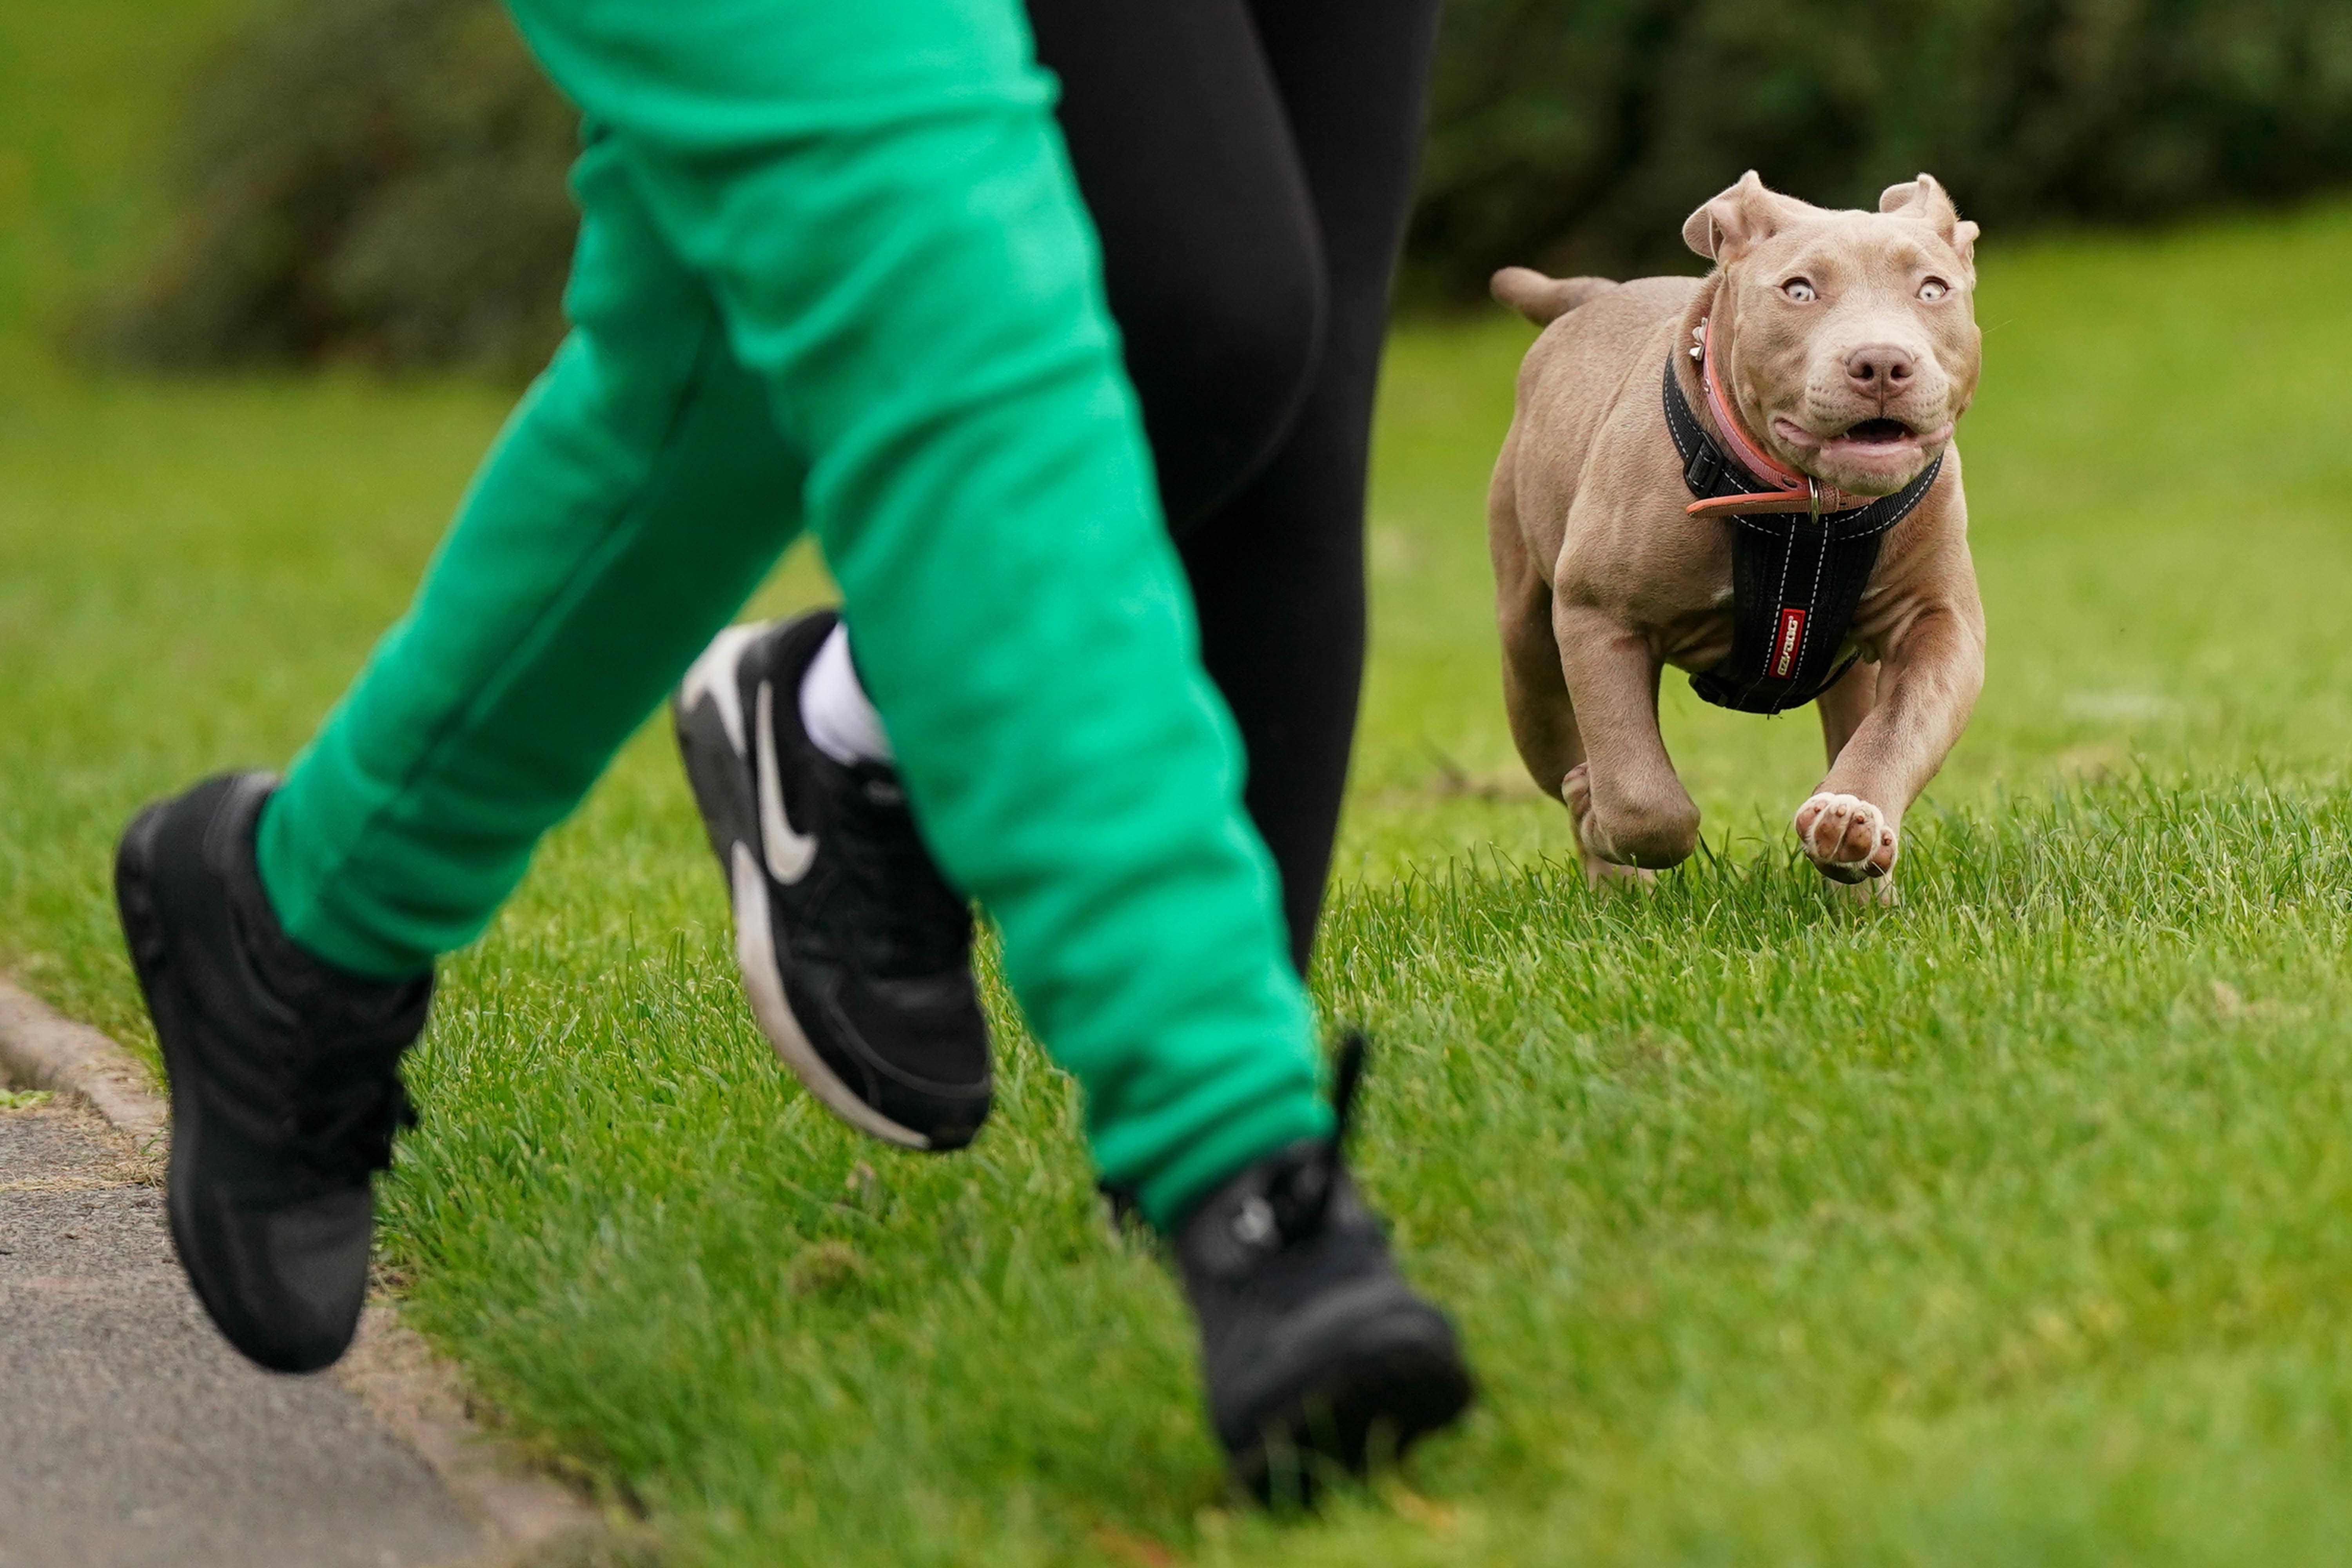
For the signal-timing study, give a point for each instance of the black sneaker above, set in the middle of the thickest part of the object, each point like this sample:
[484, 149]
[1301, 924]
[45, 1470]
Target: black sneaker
[1316, 1355]
[286, 1090]
[855, 955]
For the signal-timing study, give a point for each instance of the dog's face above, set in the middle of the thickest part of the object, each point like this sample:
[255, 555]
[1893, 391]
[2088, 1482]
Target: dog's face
[1850, 342]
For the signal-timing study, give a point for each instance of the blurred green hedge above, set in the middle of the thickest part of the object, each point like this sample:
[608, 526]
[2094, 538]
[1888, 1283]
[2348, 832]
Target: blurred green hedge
[383, 179]
[374, 180]
[1578, 135]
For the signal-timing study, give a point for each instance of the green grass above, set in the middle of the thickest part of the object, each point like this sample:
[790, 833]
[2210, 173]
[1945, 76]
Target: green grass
[2014, 1225]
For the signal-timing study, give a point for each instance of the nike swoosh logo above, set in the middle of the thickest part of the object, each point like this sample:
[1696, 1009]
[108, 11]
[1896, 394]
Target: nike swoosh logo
[713, 679]
[789, 854]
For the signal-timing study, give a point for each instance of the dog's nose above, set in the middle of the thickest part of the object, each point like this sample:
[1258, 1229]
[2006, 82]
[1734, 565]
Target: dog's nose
[1881, 370]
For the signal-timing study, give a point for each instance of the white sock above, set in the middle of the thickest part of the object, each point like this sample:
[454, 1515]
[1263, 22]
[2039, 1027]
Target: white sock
[835, 710]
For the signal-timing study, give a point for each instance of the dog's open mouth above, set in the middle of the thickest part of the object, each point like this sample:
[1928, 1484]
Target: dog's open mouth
[1878, 451]
[1878, 433]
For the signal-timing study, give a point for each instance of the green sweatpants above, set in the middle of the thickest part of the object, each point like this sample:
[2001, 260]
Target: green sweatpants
[832, 272]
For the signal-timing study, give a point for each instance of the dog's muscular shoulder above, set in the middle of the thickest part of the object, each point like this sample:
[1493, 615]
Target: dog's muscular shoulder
[1590, 487]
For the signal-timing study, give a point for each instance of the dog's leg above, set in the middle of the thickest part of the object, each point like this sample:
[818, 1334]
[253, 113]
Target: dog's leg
[1843, 708]
[1575, 793]
[1630, 807]
[1543, 720]
[1929, 675]
[1535, 695]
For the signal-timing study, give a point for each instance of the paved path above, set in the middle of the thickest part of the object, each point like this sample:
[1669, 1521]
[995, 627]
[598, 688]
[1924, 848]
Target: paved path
[130, 1435]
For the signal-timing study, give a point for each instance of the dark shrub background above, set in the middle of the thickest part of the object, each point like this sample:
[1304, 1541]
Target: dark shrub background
[383, 179]
[379, 180]
[1578, 135]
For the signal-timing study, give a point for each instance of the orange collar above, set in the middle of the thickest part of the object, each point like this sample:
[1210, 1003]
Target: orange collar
[1798, 493]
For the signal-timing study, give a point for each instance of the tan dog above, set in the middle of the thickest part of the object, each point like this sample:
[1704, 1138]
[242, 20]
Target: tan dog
[1843, 347]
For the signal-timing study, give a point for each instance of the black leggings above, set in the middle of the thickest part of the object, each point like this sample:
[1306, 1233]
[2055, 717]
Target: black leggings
[1249, 164]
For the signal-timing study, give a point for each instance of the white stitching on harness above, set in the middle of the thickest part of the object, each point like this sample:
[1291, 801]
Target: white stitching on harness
[1780, 597]
[1812, 606]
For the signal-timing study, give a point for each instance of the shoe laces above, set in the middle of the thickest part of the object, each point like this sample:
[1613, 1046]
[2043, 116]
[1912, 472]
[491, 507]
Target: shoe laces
[1297, 1201]
[909, 916]
[343, 1118]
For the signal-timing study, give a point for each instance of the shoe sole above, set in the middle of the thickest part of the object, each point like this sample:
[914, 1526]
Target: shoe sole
[728, 817]
[1400, 1381]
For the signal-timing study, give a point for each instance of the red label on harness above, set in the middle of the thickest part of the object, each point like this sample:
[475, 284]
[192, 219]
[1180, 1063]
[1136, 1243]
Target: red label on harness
[1785, 645]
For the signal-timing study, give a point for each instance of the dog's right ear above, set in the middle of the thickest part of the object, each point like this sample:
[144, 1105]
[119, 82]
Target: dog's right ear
[1745, 216]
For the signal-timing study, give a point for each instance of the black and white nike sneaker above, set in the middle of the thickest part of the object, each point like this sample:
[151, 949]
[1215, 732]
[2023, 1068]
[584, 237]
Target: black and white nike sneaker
[285, 1078]
[855, 953]
[1316, 1354]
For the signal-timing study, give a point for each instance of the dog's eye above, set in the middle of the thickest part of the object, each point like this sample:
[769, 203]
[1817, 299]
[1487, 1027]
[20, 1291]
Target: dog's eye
[1934, 288]
[1800, 289]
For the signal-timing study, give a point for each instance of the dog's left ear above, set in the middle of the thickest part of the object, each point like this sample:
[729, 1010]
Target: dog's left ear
[1924, 200]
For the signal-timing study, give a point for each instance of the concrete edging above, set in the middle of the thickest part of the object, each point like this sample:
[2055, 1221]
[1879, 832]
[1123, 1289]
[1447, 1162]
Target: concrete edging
[42, 1051]
[415, 1394]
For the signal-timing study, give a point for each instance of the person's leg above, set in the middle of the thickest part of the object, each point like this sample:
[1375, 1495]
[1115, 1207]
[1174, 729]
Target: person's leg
[1212, 261]
[977, 484]
[1215, 278]
[1249, 170]
[872, 198]
[891, 238]
[635, 499]
[1278, 572]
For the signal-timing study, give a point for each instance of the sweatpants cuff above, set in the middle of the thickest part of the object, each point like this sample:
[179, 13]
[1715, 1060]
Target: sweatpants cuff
[1168, 1195]
[296, 895]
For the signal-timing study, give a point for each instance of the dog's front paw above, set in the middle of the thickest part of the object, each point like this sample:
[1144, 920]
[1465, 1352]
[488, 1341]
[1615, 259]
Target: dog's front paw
[1847, 838]
[1601, 867]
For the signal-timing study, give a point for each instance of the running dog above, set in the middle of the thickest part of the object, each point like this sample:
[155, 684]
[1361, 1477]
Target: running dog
[1749, 477]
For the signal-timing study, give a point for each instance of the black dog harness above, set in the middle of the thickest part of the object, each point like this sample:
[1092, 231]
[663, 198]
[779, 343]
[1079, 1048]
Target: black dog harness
[1797, 577]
